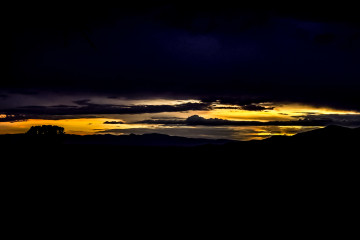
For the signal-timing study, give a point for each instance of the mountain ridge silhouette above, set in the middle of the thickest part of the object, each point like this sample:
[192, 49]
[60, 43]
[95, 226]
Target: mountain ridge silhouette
[331, 133]
[318, 155]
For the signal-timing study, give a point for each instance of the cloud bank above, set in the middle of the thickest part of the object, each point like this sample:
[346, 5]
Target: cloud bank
[311, 120]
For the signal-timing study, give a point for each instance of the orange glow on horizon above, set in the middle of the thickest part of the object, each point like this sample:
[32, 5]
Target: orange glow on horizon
[283, 112]
[96, 125]
[80, 126]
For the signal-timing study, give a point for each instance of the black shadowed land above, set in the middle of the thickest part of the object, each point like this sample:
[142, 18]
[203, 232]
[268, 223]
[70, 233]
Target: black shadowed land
[318, 159]
[302, 172]
[316, 145]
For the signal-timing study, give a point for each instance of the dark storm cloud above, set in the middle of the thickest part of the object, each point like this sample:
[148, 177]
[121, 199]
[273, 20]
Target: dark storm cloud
[250, 107]
[244, 103]
[85, 107]
[350, 120]
[325, 38]
[253, 107]
[3, 96]
[13, 118]
[113, 122]
[238, 100]
[25, 117]
[308, 53]
[196, 120]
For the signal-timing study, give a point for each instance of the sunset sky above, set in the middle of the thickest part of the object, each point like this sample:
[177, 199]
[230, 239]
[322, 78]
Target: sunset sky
[211, 70]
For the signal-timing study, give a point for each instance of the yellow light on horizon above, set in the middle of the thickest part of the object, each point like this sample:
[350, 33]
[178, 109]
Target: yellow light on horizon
[95, 125]
[281, 112]
[80, 126]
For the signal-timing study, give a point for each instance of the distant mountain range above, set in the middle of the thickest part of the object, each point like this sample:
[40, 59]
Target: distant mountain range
[152, 140]
[327, 135]
[332, 133]
[315, 156]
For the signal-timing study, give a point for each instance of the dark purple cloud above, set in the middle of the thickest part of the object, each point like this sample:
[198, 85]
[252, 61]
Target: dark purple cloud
[197, 120]
[274, 51]
[253, 107]
[114, 122]
[3, 96]
[86, 108]
[13, 118]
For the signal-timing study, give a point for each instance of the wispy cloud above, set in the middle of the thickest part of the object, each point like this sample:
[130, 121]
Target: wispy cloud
[196, 120]
[85, 107]
[114, 122]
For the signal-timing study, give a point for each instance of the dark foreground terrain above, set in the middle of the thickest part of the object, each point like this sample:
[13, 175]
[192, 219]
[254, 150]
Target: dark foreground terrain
[322, 145]
[316, 161]
[310, 175]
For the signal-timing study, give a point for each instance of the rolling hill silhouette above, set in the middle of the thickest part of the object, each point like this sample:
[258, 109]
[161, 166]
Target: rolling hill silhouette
[149, 140]
[332, 138]
[329, 133]
[153, 139]
[308, 163]
[321, 142]
[332, 134]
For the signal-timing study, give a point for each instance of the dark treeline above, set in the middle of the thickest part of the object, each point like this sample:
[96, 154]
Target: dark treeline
[45, 130]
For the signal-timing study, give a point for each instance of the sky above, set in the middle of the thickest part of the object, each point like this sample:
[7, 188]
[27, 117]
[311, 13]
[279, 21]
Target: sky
[209, 70]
